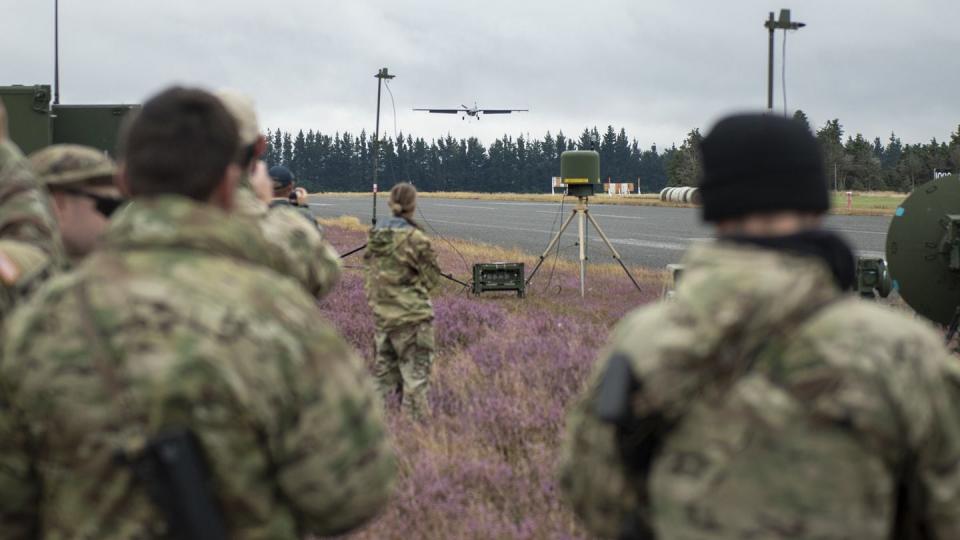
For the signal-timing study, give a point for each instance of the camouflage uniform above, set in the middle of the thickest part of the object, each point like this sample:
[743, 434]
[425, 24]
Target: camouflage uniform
[401, 271]
[302, 210]
[25, 211]
[757, 416]
[178, 321]
[31, 248]
[309, 258]
[23, 267]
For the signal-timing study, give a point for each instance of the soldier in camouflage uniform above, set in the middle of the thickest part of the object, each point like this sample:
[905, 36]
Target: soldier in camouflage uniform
[309, 258]
[401, 271]
[30, 247]
[286, 194]
[80, 182]
[177, 321]
[764, 402]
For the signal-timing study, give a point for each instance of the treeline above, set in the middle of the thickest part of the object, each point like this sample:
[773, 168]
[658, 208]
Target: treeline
[344, 162]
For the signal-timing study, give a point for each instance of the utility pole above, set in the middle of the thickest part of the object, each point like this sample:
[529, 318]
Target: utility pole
[56, 52]
[772, 24]
[381, 75]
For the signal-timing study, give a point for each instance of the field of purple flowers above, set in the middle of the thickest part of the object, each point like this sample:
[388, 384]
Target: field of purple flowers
[504, 375]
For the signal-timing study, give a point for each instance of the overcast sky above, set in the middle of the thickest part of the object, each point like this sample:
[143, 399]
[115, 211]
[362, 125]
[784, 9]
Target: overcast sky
[656, 68]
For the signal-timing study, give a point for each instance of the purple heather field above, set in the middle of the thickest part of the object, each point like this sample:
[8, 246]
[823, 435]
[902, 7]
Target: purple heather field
[505, 371]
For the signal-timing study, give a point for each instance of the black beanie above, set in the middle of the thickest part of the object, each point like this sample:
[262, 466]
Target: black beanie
[761, 163]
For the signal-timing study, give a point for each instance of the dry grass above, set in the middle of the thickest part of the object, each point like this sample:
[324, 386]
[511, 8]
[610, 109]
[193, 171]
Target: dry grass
[866, 203]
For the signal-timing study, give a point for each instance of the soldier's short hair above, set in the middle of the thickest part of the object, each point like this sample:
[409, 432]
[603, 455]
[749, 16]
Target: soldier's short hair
[180, 142]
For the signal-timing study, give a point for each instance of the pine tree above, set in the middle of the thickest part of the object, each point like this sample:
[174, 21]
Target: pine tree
[801, 117]
[287, 150]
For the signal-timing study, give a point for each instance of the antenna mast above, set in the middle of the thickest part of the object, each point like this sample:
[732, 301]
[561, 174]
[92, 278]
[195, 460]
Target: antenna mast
[56, 52]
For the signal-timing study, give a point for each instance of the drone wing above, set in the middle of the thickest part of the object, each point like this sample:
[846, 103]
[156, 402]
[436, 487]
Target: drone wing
[501, 111]
[441, 111]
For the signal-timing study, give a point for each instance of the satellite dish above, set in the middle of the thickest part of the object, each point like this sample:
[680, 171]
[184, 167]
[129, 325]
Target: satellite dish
[923, 249]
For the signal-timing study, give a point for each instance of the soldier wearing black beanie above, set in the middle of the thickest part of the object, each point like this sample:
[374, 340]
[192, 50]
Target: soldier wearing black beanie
[762, 400]
[764, 185]
[756, 163]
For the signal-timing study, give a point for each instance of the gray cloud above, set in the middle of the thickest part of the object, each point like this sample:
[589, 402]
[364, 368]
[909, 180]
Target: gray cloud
[657, 69]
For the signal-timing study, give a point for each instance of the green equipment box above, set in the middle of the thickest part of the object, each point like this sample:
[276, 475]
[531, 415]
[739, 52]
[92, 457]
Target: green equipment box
[28, 115]
[90, 125]
[498, 277]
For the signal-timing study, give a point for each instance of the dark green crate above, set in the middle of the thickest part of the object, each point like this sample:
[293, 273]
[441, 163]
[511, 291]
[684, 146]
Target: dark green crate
[28, 115]
[498, 277]
[90, 125]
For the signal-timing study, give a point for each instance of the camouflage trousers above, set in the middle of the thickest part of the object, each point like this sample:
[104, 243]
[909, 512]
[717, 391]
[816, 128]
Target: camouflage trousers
[403, 364]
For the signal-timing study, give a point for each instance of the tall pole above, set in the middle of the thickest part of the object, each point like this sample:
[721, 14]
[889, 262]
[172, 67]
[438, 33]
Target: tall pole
[56, 52]
[381, 75]
[771, 24]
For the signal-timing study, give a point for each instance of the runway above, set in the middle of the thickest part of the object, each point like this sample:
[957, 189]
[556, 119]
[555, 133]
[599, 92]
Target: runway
[649, 236]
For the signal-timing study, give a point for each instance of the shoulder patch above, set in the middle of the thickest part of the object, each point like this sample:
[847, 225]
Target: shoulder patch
[9, 271]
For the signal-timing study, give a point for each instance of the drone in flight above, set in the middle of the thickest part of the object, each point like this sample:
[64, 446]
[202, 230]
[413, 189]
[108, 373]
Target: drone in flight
[472, 112]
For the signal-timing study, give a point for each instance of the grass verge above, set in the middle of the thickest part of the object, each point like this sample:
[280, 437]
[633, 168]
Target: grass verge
[869, 203]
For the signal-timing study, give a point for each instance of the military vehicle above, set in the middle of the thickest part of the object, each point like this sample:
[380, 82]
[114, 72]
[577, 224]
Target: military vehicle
[35, 123]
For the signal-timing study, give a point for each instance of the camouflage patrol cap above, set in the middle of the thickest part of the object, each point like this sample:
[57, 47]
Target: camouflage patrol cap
[72, 164]
[244, 113]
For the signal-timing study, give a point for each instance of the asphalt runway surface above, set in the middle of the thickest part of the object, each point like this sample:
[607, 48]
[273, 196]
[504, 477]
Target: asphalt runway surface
[651, 236]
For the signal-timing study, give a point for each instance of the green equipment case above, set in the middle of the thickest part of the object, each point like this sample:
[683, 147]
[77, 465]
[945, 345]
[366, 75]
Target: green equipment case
[28, 115]
[498, 277]
[90, 125]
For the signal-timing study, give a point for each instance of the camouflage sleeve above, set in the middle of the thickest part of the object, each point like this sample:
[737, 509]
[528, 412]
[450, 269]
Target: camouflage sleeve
[938, 458]
[606, 492]
[308, 257]
[593, 477]
[19, 490]
[25, 211]
[336, 461]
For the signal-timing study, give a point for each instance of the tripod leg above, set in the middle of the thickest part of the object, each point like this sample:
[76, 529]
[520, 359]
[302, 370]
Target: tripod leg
[581, 233]
[553, 242]
[613, 250]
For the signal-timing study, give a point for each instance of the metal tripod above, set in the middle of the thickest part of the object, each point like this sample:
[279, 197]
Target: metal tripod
[582, 214]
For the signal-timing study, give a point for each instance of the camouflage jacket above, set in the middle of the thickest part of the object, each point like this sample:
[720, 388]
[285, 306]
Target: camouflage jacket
[308, 257]
[302, 210]
[175, 322]
[28, 228]
[25, 211]
[756, 417]
[401, 271]
[23, 268]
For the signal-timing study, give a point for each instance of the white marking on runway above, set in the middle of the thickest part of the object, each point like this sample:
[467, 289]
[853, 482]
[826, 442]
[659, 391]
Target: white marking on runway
[464, 206]
[646, 243]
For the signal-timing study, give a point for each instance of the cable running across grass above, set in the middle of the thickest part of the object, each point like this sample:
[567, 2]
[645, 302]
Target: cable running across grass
[406, 165]
[556, 253]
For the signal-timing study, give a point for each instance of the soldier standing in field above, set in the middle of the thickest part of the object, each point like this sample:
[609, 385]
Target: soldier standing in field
[178, 323]
[309, 257]
[401, 271]
[764, 402]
